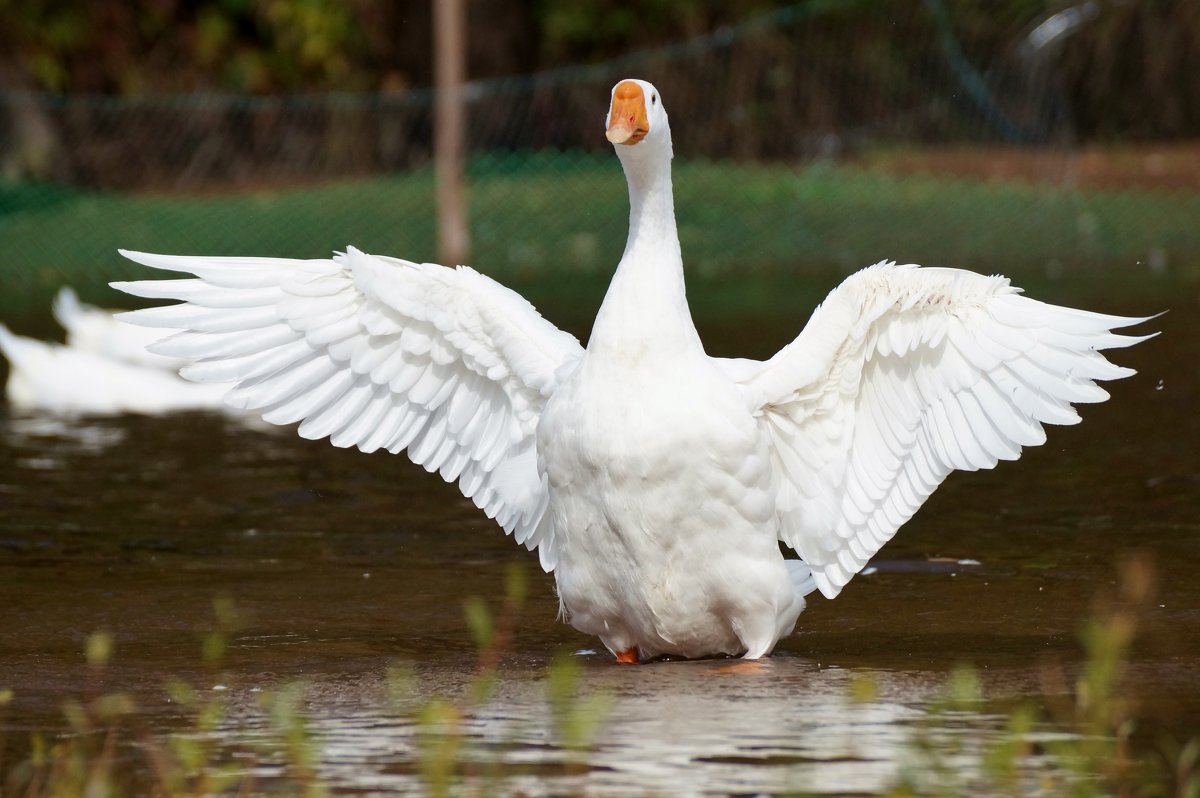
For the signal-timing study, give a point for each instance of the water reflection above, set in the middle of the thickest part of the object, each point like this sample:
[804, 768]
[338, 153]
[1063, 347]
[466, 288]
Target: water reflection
[57, 435]
[705, 728]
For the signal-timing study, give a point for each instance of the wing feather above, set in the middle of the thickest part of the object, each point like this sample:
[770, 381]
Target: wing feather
[378, 353]
[903, 375]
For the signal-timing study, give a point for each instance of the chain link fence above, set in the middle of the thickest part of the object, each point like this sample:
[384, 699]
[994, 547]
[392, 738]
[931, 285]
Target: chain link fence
[809, 138]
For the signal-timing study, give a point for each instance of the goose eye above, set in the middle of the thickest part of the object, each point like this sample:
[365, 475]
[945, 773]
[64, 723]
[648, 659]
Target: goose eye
[654, 99]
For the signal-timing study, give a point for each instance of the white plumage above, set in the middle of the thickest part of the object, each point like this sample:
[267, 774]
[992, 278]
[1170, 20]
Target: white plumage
[95, 330]
[103, 368]
[654, 481]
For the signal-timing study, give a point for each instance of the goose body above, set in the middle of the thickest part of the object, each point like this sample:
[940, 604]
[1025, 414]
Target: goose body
[655, 482]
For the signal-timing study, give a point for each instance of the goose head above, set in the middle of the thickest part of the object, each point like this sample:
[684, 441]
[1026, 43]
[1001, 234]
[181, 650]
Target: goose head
[637, 122]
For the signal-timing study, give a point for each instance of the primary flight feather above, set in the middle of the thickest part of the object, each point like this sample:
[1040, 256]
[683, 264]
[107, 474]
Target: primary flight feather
[656, 482]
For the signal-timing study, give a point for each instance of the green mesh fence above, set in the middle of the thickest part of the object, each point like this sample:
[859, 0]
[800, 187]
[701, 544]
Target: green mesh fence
[815, 138]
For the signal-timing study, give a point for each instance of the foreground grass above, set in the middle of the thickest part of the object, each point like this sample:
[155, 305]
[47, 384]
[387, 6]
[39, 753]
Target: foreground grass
[560, 219]
[1078, 745]
[1074, 745]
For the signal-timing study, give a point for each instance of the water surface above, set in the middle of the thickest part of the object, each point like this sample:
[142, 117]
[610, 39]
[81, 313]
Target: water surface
[342, 565]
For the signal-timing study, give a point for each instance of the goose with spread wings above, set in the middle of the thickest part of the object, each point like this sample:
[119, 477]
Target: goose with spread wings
[654, 481]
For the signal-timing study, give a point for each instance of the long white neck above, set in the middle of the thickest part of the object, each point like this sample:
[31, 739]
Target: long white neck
[646, 299]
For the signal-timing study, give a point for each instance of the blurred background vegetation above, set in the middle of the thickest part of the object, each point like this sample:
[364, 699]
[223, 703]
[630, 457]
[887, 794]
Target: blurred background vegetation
[1125, 69]
[1041, 138]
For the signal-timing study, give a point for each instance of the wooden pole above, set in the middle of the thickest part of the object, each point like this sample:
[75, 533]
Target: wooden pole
[449, 69]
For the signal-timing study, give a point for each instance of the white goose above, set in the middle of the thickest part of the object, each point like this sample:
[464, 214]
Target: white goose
[655, 481]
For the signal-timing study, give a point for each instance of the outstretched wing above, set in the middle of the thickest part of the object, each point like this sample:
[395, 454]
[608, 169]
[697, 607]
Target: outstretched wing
[378, 353]
[903, 375]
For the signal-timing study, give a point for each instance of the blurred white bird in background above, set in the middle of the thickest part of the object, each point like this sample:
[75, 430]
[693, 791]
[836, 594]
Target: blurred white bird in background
[103, 368]
[95, 330]
[656, 482]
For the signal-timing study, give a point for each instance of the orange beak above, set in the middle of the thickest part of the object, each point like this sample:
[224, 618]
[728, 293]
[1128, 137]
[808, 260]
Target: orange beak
[627, 123]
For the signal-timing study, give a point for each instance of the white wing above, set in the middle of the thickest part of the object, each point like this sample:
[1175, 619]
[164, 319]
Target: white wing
[903, 375]
[378, 353]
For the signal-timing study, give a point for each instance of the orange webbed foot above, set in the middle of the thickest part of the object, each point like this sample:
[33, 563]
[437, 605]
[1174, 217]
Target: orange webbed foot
[629, 656]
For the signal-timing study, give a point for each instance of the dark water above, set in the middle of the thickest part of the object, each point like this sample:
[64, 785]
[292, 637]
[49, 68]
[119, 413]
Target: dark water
[342, 564]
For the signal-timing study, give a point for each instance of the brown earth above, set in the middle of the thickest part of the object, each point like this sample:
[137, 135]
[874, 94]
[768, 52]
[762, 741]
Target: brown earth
[1171, 166]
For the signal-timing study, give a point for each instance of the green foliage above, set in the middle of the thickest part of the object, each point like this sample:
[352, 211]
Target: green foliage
[441, 740]
[99, 649]
[864, 688]
[443, 745]
[589, 30]
[299, 747]
[1087, 740]
[479, 622]
[1129, 72]
[238, 45]
[303, 43]
[577, 718]
[217, 639]
[45, 35]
